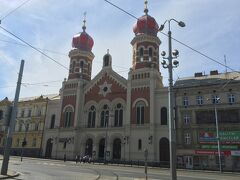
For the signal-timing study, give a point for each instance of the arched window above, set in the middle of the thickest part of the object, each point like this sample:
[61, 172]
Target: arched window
[141, 54]
[150, 53]
[139, 144]
[104, 116]
[52, 121]
[73, 66]
[68, 116]
[81, 67]
[91, 117]
[118, 120]
[140, 112]
[163, 116]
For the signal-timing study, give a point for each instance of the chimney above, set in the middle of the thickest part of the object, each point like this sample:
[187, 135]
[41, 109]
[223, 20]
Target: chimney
[198, 74]
[215, 72]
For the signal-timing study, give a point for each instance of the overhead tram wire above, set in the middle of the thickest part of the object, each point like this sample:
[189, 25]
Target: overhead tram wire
[44, 54]
[51, 51]
[206, 56]
[25, 2]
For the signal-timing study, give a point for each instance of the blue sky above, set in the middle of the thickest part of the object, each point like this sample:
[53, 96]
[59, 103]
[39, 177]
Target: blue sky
[212, 27]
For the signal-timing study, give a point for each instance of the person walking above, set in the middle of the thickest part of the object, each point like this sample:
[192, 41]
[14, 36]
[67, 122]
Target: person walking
[64, 158]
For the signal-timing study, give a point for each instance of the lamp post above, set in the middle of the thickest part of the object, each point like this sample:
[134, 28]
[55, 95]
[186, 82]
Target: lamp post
[24, 143]
[216, 101]
[170, 65]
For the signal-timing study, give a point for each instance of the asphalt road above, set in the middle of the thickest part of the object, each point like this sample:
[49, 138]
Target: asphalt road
[42, 169]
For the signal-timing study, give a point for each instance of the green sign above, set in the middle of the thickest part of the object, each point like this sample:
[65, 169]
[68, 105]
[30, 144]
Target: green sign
[223, 147]
[229, 135]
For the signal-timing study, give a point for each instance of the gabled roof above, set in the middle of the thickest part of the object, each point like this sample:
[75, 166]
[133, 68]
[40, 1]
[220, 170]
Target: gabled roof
[112, 74]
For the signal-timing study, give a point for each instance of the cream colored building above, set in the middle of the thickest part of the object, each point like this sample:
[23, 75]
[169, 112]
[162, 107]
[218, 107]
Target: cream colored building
[196, 120]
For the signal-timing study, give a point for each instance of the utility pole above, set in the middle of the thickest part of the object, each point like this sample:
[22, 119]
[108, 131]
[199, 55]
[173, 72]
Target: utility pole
[11, 127]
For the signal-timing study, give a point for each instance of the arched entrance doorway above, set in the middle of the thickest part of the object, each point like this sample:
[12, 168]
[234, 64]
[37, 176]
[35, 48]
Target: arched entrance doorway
[164, 154]
[48, 152]
[89, 147]
[117, 149]
[101, 149]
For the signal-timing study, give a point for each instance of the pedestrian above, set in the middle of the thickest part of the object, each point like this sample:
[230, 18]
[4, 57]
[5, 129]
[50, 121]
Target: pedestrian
[76, 159]
[64, 158]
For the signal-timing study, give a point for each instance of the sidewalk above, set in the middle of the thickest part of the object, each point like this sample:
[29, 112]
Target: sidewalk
[10, 174]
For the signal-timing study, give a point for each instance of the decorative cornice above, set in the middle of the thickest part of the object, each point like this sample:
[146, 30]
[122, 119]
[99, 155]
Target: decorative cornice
[78, 52]
[144, 38]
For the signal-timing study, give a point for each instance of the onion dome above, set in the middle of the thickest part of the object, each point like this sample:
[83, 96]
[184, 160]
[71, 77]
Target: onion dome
[82, 40]
[146, 24]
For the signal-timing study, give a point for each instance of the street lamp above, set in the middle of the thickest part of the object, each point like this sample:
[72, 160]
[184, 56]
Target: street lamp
[24, 142]
[215, 101]
[170, 65]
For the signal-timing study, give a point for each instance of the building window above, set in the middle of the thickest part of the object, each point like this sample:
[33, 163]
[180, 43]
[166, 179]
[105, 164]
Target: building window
[231, 98]
[73, 66]
[141, 54]
[68, 116]
[22, 113]
[18, 142]
[163, 116]
[91, 117]
[185, 101]
[118, 120]
[34, 142]
[139, 144]
[104, 116]
[199, 100]
[29, 113]
[52, 121]
[36, 126]
[150, 53]
[81, 67]
[65, 145]
[140, 112]
[187, 119]
[215, 99]
[19, 127]
[187, 138]
[39, 112]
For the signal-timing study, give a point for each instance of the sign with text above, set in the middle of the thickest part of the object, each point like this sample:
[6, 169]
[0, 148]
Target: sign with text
[226, 137]
[223, 147]
[212, 152]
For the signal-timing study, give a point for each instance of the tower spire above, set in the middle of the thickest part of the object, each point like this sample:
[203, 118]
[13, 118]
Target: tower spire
[146, 7]
[84, 21]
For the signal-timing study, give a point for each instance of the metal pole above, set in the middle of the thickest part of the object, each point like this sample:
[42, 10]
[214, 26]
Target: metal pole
[172, 131]
[218, 138]
[12, 123]
[105, 154]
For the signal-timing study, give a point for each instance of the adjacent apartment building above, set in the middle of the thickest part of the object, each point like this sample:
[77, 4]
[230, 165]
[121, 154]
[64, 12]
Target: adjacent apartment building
[200, 101]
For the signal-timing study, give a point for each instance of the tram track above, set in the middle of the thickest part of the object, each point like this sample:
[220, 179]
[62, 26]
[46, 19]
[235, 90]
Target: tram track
[102, 175]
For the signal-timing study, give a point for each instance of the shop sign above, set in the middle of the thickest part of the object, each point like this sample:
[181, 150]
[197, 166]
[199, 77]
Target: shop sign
[212, 152]
[225, 136]
[223, 147]
[235, 153]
